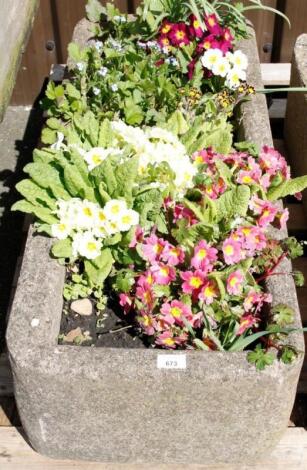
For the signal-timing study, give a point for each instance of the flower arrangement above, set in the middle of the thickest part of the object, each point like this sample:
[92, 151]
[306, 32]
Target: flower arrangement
[148, 197]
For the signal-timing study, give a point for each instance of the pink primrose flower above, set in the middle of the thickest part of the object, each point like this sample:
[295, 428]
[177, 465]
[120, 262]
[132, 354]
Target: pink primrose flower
[163, 274]
[152, 248]
[195, 28]
[268, 214]
[138, 237]
[272, 162]
[173, 255]
[166, 340]
[245, 323]
[213, 25]
[174, 312]
[179, 35]
[166, 27]
[147, 322]
[126, 302]
[232, 251]
[283, 217]
[193, 281]
[204, 256]
[182, 212]
[235, 282]
[209, 292]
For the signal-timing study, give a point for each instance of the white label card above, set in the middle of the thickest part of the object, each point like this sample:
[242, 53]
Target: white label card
[171, 361]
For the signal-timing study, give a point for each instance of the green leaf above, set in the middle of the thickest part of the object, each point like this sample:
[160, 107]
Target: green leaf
[35, 194]
[133, 113]
[72, 91]
[74, 52]
[106, 134]
[233, 202]
[177, 123]
[76, 185]
[41, 213]
[47, 177]
[260, 358]
[99, 269]
[62, 249]
[94, 10]
[288, 188]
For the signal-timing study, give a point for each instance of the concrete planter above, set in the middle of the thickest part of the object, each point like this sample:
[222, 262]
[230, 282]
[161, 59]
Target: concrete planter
[117, 405]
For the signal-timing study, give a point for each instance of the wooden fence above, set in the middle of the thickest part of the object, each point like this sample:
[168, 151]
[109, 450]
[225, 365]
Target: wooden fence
[56, 19]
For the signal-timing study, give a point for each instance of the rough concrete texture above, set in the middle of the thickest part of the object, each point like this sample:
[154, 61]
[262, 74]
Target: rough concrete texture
[17, 19]
[19, 133]
[116, 405]
[296, 114]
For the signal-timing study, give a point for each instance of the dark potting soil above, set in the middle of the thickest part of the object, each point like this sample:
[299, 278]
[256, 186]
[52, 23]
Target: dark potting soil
[107, 329]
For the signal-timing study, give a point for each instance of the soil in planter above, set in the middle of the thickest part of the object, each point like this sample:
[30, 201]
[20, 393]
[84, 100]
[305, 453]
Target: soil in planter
[107, 329]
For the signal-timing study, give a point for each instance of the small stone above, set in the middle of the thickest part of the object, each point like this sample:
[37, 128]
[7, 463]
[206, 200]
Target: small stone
[82, 307]
[73, 334]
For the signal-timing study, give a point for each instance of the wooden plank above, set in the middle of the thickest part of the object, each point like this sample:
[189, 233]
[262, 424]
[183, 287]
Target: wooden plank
[37, 60]
[276, 74]
[16, 454]
[297, 221]
[296, 10]
[8, 412]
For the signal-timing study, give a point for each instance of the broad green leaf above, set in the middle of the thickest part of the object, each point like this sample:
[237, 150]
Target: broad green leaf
[35, 194]
[94, 10]
[72, 91]
[177, 123]
[105, 138]
[233, 202]
[62, 249]
[76, 185]
[288, 188]
[42, 213]
[47, 177]
[99, 269]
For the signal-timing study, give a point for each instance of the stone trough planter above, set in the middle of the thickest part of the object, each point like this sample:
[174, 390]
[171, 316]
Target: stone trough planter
[144, 406]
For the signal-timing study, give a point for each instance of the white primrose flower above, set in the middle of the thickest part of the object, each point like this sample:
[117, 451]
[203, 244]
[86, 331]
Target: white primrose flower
[103, 71]
[85, 244]
[60, 231]
[96, 91]
[238, 59]
[120, 19]
[114, 87]
[221, 67]
[80, 66]
[111, 227]
[87, 215]
[98, 46]
[210, 57]
[128, 219]
[67, 211]
[114, 209]
[97, 155]
[234, 78]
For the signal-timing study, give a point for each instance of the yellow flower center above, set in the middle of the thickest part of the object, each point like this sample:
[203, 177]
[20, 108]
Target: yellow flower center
[229, 250]
[195, 282]
[96, 159]
[202, 253]
[88, 212]
[175, 312]
[91, 246]
[169, 342]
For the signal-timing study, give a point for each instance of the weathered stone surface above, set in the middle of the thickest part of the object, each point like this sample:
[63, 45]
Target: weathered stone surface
[218, 409]
[17, 18]
[296, 115]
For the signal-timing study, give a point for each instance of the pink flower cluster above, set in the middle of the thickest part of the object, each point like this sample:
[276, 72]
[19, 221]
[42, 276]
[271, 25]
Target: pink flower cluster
[212, 36]
[186, 286]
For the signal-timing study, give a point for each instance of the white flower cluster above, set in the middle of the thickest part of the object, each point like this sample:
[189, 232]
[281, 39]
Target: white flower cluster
[88, 224]
[155, 146]
[232, 66]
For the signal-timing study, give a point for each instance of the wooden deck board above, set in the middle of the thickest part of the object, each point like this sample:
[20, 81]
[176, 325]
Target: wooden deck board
[16, 454]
